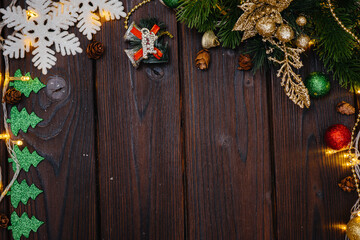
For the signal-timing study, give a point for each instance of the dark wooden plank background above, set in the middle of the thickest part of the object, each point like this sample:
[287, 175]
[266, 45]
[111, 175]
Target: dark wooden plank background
[171, 152]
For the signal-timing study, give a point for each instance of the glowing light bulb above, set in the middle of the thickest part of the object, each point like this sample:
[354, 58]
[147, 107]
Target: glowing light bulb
[22, 78]
[330, 151]
[4, 136]
[25, 78]
[18, 142]
[31, 14]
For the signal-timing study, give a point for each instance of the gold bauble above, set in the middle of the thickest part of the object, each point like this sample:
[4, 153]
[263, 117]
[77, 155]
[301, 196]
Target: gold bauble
[266, 27]
[353, 229]
[285, 33]
[301, 21]
[209, 40]
[303, 41]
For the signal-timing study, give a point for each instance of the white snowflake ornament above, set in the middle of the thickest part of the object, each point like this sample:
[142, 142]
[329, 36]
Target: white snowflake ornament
[43, 25]
[88, 21]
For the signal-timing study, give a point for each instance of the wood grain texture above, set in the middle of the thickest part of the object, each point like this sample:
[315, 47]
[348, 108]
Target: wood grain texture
[140, 168]
[309, 203]
[227, 147]
[66, 139]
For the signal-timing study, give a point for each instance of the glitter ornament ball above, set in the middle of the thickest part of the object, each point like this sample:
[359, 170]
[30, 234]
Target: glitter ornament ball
[318, 84]
[266, 27]
[303, 41]
[353, 229]
[337, 137]
[285, 33]
[170, 3]
[301, 21]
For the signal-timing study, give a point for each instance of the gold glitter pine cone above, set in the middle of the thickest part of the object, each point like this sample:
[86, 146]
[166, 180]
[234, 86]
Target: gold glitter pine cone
[202, 59]
[95, 50]
[12, 96]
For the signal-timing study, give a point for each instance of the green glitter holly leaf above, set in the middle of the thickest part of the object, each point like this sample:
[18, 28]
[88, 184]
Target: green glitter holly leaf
[25, 158]
[26, 87]
[22, 120]
[21, 192]
[22, 226]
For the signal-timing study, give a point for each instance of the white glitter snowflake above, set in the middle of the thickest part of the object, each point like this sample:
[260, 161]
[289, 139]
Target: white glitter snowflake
[43, 25]
[88, 22]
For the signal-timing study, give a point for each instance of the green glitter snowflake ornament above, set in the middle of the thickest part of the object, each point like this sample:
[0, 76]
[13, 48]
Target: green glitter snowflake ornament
[22, 226]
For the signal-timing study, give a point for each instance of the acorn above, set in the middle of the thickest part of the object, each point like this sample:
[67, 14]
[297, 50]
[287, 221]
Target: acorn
[209, 40]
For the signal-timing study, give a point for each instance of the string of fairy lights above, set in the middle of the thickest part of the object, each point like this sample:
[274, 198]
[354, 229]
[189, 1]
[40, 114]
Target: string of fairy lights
[7, 136]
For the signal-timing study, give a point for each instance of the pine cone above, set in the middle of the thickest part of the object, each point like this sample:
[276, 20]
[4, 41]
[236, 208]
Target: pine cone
[95, 50]
[4, 221]
[12, 96]
[245, 62]
[347, 184]
[202, 59]
[345, 108]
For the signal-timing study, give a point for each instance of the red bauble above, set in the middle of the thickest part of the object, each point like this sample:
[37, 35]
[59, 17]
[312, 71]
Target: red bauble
[337, 137]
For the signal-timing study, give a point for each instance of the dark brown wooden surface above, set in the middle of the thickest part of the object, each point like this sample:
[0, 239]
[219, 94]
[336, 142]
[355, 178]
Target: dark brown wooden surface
[171, 152]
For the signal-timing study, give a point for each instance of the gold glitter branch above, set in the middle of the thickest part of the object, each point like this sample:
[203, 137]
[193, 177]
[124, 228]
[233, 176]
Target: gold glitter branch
[294, 86]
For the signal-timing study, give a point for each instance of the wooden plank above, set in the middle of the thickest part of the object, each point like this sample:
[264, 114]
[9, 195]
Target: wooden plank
[227, 147]
[66, 138]
[309, 203]
[141, 190]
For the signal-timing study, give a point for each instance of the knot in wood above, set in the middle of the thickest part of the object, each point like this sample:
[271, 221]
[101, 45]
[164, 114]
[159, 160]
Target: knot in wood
[155, 73]
[57, 88]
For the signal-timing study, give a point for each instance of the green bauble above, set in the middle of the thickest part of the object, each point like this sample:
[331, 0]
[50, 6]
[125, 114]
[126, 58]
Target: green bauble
[170, 3]
[318, 84]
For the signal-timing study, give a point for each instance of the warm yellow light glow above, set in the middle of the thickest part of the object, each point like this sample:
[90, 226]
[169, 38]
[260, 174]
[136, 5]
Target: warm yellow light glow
[4, 136]
[105, 14]
[330, 151]
[341, 226]
[18, 142]
[22, 78]
[358, 91]
[346, 155]
[31, 14]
